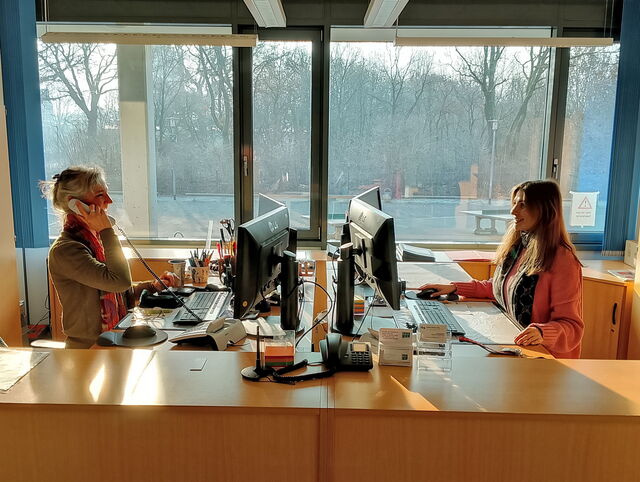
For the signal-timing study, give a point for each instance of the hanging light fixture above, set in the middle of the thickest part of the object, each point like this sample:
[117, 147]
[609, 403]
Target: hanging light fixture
[427, 38]
[401, 41]
[144, 35]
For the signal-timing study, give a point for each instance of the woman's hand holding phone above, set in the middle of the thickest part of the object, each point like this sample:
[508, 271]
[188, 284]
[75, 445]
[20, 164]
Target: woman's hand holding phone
[94, 217]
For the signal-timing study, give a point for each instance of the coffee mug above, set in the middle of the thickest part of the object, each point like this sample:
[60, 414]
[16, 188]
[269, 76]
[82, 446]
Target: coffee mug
[178, 267]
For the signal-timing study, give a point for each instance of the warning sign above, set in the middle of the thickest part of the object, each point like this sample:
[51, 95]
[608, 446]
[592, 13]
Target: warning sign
[583, 208]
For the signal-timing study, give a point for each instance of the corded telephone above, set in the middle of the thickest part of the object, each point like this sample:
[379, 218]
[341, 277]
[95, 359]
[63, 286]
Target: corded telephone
[345, 356]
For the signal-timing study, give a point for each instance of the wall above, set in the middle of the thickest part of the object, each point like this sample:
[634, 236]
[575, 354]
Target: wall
[10, 329]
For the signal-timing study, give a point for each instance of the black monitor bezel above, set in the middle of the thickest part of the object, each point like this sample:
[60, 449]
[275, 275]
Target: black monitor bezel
[261, 243]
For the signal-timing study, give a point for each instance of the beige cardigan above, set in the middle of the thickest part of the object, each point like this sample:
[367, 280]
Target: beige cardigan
[79, 277]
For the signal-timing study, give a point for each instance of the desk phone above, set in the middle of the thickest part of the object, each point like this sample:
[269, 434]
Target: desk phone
[345, 356]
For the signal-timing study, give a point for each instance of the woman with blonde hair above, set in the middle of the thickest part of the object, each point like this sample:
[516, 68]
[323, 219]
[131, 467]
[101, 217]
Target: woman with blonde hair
[538, 278]
[86, 262]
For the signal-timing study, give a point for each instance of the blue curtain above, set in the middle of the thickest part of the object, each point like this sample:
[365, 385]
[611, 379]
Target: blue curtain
[21, 86]
[622, 205]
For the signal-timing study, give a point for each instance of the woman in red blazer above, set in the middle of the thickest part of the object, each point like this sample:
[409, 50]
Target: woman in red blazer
[538, 278]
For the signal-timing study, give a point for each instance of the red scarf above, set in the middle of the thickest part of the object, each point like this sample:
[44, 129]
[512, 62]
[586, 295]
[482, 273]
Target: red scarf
[112, 306]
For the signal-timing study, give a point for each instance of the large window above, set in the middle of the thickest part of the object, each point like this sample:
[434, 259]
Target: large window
[282, 126]
[80, 112]
[193, 105]
[588, 126]
[187, 98]
[445, 133]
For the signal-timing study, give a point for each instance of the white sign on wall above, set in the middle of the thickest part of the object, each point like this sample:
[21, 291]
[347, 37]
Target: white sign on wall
[583, 208]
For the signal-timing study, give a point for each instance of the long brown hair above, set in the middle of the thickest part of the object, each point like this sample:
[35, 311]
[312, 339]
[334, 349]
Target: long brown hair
[549, 233]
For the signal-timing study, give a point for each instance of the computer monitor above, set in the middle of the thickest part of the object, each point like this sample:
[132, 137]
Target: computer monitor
[372, 249]
[374, 242]
[267, 204]
[371, 197]
[260, 259]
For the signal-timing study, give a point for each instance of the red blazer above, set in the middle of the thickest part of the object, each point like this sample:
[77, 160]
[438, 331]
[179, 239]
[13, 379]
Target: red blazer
[557, 303]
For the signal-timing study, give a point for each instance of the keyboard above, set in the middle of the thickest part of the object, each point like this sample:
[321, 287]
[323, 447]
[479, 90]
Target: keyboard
[206, 304]
[434, 313]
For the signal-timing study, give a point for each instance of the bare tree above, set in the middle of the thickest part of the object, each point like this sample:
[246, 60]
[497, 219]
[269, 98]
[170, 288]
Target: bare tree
[483, 69]
[534, 72]
[82, 72]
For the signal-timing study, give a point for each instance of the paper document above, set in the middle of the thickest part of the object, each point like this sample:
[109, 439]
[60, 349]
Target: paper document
[624, 274]
[14, 364]
[484, 322]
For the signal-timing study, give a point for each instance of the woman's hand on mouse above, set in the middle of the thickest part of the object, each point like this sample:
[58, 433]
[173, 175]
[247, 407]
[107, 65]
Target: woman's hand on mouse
[168, 278]
[529, 336]
[441, 289]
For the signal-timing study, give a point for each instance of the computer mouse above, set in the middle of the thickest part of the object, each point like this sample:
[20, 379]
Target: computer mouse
[426, 294]
[139, 331]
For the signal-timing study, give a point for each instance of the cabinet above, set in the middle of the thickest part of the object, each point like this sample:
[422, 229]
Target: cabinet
[479, 270]
[604, 311]
[606, 302]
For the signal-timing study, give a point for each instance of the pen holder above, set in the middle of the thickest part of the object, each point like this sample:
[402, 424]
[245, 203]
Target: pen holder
[200, 275]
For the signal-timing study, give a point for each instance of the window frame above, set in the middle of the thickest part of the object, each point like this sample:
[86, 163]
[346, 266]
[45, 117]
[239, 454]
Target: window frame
[244, 163]
[316, 236]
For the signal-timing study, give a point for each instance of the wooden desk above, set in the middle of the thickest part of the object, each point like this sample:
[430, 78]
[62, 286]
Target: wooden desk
[489, 419]
[139, 415]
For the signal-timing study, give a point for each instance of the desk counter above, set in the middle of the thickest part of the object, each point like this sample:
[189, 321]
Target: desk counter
[542, 419]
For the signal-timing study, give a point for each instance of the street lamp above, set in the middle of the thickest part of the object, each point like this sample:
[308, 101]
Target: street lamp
[494, 128]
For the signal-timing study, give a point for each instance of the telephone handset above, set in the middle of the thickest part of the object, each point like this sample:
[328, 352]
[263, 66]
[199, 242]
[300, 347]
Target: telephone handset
[345, 356]
[76, 205]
